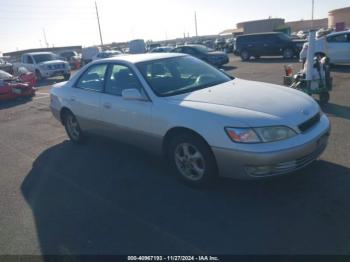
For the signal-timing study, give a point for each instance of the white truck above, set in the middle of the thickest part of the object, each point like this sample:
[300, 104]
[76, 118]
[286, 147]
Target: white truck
[44, 65]
[89, 53]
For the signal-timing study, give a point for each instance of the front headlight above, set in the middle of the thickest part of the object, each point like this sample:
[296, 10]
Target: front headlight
[242, 135]
[260, 135]
[275, 133]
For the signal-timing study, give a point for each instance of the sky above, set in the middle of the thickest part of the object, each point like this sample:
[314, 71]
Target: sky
[73, 22]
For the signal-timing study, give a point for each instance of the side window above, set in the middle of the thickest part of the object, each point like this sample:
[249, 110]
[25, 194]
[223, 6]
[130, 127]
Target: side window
[121, 77]
[189, 51]
[93, 78]
[178, 50]
[338, 39]
[30, 60]
[27, 59]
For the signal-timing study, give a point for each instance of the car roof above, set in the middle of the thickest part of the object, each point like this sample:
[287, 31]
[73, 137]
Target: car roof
[261, 34]
[39, 53]
[142, 57]
[339, 33]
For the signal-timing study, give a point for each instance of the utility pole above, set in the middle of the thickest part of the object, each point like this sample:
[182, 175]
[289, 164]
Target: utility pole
[99, 26]
[312, 14]
[195, 23]
[46, 43]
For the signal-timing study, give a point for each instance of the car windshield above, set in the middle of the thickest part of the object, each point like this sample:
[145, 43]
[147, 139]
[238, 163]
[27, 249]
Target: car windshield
[177, 75]
[284, 37]
[44, 57]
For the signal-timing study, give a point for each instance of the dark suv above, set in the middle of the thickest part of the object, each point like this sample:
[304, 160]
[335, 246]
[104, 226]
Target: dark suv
[267, 44]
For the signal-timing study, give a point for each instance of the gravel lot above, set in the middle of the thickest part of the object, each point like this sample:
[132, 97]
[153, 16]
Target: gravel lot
[108, 198]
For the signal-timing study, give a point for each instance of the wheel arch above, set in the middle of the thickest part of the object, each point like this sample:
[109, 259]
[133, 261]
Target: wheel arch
[171, 133]
[63, 111]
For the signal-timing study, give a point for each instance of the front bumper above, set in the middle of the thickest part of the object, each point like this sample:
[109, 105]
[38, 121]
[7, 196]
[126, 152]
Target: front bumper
[58, 72]
[252, 165]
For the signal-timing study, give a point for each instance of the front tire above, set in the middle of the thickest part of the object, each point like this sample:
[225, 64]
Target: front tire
[192, 160]
[72, 127]
[245, 56]
[38, 75]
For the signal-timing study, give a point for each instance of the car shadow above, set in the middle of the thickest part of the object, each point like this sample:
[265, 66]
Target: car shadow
[49, 82]
[108, 198]
[337, 110]
[272, 60]
[340, 68]
[15, 102]
[228, 67]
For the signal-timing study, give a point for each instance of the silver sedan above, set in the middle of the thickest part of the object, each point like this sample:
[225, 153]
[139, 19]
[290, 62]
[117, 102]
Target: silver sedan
[205, 122]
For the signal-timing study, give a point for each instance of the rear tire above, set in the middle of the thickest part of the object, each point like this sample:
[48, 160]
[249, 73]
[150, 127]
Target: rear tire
[66, 77]
[192, 160]
[245, 56]
[72, 127]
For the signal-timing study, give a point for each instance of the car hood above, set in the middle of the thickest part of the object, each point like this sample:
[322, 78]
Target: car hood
[53, 62]
[254, 103]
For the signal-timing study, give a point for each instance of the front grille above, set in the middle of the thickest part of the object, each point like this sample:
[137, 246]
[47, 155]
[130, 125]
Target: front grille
[291, 166]
[309, 123]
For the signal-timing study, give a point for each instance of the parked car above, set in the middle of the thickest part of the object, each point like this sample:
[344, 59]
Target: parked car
[335, 45]
[161, 49]
[220, 43]
[106, 54]
[230, 45]
[44, 65]
[6, 66]
[267, 44]
[204, 53]
[205, 122]
[72, 57]
[88, 53]
[12, 87]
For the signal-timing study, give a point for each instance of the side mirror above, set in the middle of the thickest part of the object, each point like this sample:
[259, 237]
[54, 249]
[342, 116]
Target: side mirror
[132, 94]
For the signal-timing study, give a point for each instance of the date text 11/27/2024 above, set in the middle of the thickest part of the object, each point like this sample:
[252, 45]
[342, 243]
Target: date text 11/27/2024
[173, 258]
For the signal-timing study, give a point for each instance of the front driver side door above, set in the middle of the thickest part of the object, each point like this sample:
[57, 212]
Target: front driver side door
[128, 121]
[84, 97]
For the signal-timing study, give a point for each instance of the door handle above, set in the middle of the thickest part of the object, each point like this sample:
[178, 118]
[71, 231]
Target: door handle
[107, 105]
[72, 98]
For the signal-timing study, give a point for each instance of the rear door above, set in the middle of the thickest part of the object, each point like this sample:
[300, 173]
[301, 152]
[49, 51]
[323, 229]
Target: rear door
[271, 45]
[339, 48]
[129, 121]
[84, 98]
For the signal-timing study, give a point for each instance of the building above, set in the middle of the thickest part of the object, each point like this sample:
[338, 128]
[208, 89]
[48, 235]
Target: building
[258, 26]
[339, 17]
[304, 25]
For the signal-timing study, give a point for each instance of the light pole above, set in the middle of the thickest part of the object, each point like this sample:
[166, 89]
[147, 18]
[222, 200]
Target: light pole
[195, 23]
[99, 26]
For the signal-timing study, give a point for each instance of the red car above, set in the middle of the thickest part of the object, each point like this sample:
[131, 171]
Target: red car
[12, 87]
